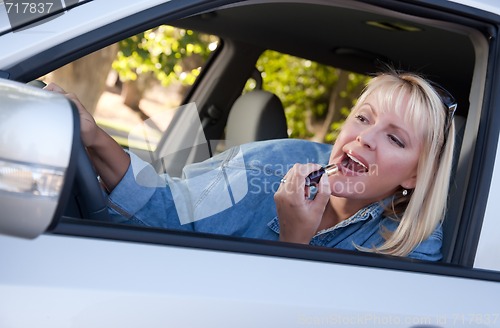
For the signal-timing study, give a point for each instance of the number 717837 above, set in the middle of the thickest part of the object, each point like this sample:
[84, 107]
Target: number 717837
[28, 7]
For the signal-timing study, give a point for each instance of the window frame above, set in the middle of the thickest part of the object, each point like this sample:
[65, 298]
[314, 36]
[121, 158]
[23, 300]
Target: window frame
[474, 207]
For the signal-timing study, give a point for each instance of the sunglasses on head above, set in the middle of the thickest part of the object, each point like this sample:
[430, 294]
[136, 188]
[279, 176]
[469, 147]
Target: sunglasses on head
[450, 105]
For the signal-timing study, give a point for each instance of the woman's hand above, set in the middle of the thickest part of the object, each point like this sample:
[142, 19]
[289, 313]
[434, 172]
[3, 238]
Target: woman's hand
[88, 126]
[299, 216]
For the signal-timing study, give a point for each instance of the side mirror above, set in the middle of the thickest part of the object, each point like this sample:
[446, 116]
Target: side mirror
[37, 138]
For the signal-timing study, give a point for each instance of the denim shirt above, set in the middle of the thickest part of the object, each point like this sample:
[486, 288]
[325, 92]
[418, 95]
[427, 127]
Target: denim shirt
[232, 193]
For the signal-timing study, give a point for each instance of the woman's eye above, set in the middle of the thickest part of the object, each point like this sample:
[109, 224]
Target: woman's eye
[361, 118]
[396, 141]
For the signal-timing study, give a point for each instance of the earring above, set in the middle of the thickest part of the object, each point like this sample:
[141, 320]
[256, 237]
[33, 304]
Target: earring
[405, 192]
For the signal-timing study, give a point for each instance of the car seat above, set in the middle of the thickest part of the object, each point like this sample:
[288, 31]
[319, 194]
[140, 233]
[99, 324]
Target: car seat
[256, 115]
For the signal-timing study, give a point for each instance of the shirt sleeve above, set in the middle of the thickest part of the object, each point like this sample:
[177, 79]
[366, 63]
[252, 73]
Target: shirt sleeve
[142, 197]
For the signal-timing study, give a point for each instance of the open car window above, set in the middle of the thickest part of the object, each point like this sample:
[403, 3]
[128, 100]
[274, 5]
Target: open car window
[330, 70]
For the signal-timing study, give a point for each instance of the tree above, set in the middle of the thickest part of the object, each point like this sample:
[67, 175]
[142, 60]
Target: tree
[86, 76]
[166, 54]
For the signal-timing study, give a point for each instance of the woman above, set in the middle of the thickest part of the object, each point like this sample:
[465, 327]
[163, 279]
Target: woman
[388, 195]
[388, 152]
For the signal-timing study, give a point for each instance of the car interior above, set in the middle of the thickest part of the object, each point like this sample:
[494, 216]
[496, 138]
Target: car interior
[449, 49]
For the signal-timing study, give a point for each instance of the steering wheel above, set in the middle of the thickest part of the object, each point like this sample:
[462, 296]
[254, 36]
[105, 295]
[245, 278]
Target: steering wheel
[88, 192]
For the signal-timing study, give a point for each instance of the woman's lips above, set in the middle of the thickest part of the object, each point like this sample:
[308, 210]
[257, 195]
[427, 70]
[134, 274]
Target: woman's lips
[353, 164]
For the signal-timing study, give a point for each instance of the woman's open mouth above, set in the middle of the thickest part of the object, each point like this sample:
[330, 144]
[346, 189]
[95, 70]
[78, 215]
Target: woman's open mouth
[352, 163]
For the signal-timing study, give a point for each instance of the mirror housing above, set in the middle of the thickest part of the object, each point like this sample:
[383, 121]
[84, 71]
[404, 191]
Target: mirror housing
[37, 138]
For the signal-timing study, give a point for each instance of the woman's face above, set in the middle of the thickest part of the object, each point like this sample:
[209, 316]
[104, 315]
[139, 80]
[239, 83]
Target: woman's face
[378, 153]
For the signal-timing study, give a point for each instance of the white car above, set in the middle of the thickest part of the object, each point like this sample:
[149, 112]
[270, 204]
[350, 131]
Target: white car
[60, 266]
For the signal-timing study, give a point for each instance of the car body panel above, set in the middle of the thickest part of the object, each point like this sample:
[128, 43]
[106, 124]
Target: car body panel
[487, 254]
[486, 5]
[23, 44]
[112, 283]
[115, 278]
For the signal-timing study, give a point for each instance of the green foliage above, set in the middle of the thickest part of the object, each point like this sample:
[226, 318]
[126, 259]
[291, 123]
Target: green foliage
[305, 88]
[171, 54]
[300, 84]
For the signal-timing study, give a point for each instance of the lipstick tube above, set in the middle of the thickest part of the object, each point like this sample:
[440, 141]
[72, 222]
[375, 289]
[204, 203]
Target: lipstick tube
[313, 178]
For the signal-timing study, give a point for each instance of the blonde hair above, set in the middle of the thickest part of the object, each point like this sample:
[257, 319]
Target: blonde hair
[423, 209]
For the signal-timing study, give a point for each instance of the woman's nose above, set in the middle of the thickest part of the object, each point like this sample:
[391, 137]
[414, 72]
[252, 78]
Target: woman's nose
[367, 139]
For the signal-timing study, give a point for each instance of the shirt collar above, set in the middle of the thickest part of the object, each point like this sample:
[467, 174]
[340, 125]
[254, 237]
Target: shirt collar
[371, 211]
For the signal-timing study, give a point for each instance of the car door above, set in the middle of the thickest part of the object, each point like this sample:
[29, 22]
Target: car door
[74, 272]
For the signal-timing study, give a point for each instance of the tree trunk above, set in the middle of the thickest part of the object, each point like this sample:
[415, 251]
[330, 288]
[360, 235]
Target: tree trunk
[86, 77]
[333, 113]
[133, 92]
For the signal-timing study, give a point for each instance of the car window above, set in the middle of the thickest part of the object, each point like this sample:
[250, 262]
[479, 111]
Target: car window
[145, 80]
[317, 85]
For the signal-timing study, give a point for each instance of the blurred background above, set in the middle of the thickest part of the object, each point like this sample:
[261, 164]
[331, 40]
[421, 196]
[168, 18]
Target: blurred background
[146, 77]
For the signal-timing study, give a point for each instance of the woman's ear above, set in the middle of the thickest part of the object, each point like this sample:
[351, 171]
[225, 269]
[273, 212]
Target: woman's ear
[410, 183]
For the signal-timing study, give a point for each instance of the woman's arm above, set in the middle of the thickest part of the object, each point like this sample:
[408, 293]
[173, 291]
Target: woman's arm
[109, 159]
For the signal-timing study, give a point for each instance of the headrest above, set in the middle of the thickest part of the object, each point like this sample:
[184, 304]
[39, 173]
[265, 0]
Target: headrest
[256, 115]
